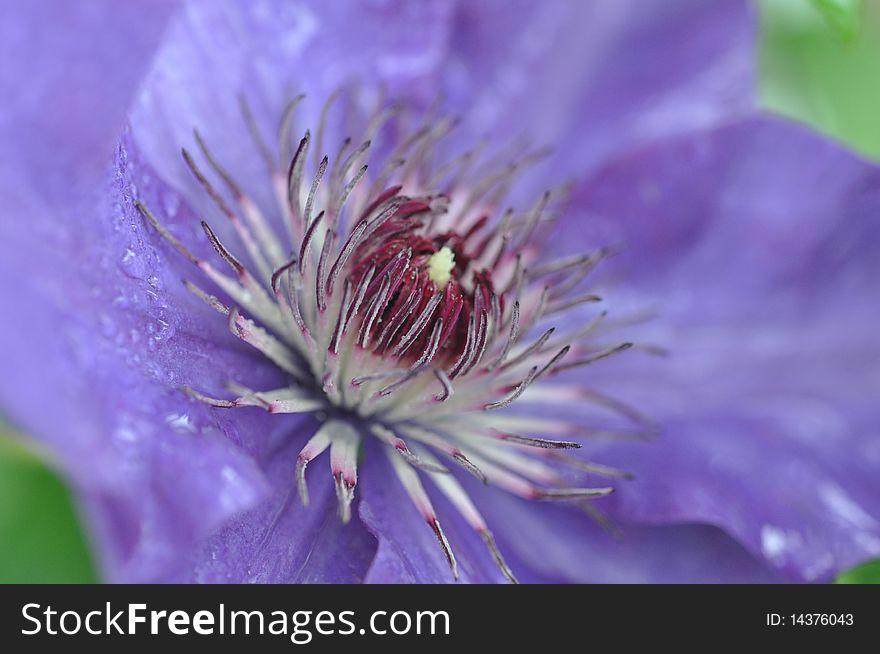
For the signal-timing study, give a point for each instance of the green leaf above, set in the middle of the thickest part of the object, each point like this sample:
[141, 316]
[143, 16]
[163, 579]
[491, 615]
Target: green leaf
[842, 15]
[820, 64]
[41, 540]
[867, 573]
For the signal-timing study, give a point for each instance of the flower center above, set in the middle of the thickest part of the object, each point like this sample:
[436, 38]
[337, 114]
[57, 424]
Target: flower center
[413, 320]
[426, 283]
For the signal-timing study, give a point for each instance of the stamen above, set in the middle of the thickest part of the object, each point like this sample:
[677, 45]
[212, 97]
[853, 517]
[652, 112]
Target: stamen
[532, 221]
[165, 234]
[565, 494]
[413, 486]
[417, 326]
[534, 348]
[585, 269]
[322, 123]
[265, 237]
[441, 444]
[399, 317]
[447, 549]
[316, 445]
[481, 341]
[511, 339]
[496, 556]
[388, 436]
[293, 303]
[344, 254]
[572, 302]
[469, 346]
[515, 393]
[518, 486]
[537, 442]
[373, 310]
[247, 239]
[344, 442]
[307, 241]
[329, 238]
[595, 357]
[207, 298]
[445, 383]
[348, 188]
[221, 404]
[225, 254]
[316, 182]
[592, 468]
[295, 174]
[254, 131]
[450, 487]
[284, 128]
[340, 320]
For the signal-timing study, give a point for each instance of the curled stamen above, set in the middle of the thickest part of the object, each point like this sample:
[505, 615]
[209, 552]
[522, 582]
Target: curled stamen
[515, 393]
[445, 383]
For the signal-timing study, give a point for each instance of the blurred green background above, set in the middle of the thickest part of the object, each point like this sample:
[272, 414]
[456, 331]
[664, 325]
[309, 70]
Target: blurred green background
[41, 540]
[819, 64]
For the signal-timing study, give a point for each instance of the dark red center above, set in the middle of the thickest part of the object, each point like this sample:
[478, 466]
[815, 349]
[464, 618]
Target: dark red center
[410, 321]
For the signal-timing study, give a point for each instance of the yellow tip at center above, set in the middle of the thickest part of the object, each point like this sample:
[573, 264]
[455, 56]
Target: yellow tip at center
[440, 266]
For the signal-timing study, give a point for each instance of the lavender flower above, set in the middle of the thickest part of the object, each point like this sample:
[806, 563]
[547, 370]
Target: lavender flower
[750, 242]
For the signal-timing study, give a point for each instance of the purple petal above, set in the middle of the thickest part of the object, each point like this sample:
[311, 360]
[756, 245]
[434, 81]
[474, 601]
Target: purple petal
[116, 334]
[281, 541]
[559, 544]
[592, 78]
[542, 543]
[409, 552]
[269, 53]
[728, 203]
[59, 122]
[757, 247]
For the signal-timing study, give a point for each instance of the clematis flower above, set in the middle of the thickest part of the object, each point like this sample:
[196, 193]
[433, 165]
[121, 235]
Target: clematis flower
[406, 333]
